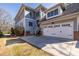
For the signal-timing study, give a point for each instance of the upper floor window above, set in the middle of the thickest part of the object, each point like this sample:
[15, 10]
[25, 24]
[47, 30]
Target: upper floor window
[38, 14]
[52, 13]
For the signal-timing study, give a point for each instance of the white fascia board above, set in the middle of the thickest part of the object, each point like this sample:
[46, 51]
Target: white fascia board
[26, 12]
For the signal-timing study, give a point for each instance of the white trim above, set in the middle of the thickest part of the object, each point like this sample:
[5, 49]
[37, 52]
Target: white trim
[26, 12]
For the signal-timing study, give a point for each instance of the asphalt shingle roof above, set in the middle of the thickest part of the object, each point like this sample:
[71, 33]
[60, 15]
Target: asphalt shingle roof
[72, 8]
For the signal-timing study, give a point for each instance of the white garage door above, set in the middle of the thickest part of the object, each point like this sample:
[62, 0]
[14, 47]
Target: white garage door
[64, 30]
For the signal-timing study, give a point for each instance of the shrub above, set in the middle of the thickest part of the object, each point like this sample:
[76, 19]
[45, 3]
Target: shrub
[12, 31]
[19, 31]
[1, 33]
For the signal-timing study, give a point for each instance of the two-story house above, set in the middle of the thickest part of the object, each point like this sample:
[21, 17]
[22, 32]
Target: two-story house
[28, 18]
[61, 20]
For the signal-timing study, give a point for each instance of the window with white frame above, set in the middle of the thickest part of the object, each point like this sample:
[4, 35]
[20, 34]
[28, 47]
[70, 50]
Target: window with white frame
[52, 13]
[30, 24]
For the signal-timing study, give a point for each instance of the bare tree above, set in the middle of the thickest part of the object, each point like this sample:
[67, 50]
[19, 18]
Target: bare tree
[6, 21]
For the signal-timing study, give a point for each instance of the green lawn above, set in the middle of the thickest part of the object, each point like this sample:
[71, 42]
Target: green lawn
[18, 47]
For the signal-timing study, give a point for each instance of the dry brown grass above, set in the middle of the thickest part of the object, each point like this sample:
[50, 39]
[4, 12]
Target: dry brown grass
[19, 49]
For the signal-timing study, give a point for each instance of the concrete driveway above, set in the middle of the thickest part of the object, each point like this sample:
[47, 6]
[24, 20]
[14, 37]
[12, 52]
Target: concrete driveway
[53, 45]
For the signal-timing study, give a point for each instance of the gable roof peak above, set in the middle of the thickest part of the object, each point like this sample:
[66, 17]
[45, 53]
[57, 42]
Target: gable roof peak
[40, 6]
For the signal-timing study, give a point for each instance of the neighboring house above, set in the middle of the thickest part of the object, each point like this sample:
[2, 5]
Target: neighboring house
[28, 18]
[62, 20]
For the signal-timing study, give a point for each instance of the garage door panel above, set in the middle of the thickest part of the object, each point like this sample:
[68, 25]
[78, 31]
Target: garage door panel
[65, 30]
[46, 32]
